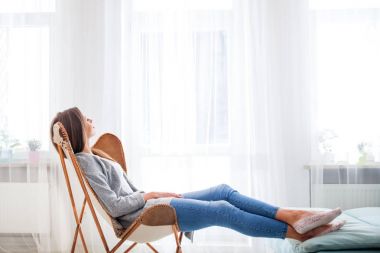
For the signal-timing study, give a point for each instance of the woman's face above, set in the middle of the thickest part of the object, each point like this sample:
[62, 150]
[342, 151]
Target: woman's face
[89, 128]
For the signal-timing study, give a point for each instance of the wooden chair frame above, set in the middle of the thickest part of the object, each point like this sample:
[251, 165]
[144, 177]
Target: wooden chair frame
[155, 217]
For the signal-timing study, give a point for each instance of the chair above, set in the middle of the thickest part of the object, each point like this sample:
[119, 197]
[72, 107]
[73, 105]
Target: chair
[153, 224]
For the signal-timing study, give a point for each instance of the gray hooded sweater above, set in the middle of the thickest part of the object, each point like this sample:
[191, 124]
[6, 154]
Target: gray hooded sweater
[120, 197]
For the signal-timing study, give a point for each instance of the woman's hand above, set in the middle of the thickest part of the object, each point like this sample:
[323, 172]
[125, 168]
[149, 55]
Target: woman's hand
[156, 195]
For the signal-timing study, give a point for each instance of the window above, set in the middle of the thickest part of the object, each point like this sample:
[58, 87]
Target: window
[180, 52]
[24, 71]
[347, 63]
[211, 87]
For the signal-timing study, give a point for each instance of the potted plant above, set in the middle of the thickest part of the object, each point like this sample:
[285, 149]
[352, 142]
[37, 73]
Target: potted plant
[34, 146]
[327, 138]
[365, 151]
[7, 144]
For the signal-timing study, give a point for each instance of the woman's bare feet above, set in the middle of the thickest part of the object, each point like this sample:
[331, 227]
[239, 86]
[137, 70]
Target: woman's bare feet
[321, 230]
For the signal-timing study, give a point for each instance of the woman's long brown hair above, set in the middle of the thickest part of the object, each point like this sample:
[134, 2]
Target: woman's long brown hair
[73, 121]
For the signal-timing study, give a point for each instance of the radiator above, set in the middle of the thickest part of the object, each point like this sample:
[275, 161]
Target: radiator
[346, 196]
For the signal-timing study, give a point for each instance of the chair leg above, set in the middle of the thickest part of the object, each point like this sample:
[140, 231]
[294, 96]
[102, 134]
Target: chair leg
[151, 247]
[179, 248]
[78, 220]
[79, 229]
[74, 241]
[177, 240]
[131, 247]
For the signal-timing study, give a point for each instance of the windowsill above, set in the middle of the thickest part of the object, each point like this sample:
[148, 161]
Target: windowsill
[24, 158]
[26, 167]
[344, 173]
[369, 165]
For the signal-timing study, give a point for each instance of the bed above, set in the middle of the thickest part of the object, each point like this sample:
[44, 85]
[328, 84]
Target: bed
[361, 234]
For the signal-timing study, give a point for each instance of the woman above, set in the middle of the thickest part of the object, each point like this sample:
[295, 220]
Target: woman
[216, 206]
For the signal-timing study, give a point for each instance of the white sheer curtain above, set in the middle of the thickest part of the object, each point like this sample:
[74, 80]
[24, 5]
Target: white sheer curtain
[24, 107]
[346, 38]
[54, 55]
[200, 92]
[215, 92]
[86, 73]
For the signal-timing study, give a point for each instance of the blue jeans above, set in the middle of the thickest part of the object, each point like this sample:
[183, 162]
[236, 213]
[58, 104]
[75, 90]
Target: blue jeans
[223, 206]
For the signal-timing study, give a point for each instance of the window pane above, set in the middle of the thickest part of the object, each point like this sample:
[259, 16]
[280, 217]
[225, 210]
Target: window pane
[24, 76]
[348, 63]
[165, 5]
[343, 4]
[151, 56]
[25, 6]
[211, 87]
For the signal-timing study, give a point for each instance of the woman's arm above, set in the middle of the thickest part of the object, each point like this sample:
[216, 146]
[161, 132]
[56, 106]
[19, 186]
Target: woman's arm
[156, 195]
[116, 205]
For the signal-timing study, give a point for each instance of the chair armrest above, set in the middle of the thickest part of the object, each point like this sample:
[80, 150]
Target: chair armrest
[158, 215]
